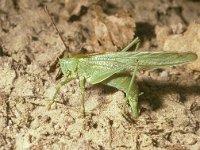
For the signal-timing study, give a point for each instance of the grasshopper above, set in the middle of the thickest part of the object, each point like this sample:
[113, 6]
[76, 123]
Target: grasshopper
[116, 69]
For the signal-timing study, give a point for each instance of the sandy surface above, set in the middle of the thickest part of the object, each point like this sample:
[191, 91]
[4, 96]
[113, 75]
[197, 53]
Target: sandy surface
[29, 52]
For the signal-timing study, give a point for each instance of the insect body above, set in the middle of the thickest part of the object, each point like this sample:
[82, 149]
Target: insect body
[117, 70]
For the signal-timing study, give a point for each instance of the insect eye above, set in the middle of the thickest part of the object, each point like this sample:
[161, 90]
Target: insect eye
[136, 60]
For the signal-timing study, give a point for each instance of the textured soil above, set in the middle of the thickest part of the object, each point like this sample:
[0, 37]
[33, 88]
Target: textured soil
[29, 72]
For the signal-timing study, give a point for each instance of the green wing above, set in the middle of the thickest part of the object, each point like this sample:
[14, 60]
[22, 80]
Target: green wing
[97, 68]
[146, 59]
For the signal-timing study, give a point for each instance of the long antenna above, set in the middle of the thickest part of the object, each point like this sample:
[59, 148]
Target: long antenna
[47, 11]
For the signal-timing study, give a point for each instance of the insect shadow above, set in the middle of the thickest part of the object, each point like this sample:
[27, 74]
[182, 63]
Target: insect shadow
[155, 90]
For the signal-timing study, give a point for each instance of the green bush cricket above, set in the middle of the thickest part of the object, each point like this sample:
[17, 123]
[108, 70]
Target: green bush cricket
[116, 69]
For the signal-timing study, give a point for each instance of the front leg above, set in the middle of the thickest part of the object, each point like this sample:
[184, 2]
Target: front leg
[82, 87]
[62, 83]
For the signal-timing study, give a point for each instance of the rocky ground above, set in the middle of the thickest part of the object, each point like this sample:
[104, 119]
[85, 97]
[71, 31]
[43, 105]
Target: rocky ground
[29, 71]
